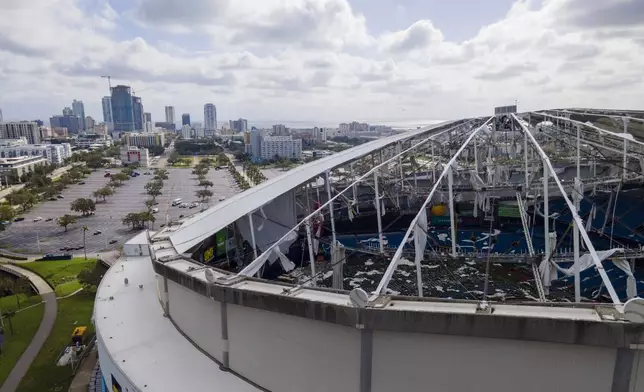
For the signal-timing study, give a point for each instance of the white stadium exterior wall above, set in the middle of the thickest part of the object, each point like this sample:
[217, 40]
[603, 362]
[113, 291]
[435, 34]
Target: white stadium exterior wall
[293, 354]
[462, 363]
[198, 317]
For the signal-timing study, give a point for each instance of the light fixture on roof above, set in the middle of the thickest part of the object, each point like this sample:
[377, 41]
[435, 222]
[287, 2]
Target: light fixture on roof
[359, 298]
[210, 276]
[634, 310]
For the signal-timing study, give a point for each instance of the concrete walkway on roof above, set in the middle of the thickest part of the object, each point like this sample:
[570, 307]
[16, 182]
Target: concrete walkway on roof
[46, 324]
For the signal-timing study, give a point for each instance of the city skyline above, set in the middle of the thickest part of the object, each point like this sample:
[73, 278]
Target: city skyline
[399, 60]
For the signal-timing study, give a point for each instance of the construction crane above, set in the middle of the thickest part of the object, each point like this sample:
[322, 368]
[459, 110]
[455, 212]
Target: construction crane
[109, 81]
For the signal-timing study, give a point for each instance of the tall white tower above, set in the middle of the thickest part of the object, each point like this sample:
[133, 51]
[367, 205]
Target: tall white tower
[210, 117]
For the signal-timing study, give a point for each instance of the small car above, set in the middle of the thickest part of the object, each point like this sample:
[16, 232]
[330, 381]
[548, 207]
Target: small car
[52, 199]
[97, 232]
[113, 242]
[49, 219]
[60, 197]
[81, 183]
[38, 219]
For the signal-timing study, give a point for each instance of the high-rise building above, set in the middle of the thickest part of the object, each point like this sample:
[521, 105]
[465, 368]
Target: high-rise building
[68, 121]
[240, 125]
[255, 143]
[199, 131]
[67, 111]
[272, 147]
[16, 130]
[145, 139]
[280, 130]
[210, 117]
[185, 119]
[186, 132]
[107, 109]
[169, 114]
[123, 109]
[1, 116]
[147, 117]
[107, 113]
[320, 134]
[89, 123]
[137, 105]
[78, 109]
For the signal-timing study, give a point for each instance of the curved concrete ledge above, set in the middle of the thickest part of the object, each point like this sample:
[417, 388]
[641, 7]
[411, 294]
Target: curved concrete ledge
[247, 323]
[583, 325]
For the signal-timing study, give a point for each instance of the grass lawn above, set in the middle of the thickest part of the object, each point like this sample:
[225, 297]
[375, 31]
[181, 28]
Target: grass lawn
[44, 375]
[25, 323]
[61, 274]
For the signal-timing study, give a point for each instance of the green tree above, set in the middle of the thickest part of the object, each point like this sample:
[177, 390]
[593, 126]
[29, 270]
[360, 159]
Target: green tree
[161, 174]
[206, 184]
[130, 219]
[83, 205]
[121, 177]
[204, 194]
[154, 192]
[154, 184]
[23, 197]
[199, 171]
[90, 277]
[114, 183]
[21, 286]
[7, 213]
[66, 220]
[103, 192]
[174, 157]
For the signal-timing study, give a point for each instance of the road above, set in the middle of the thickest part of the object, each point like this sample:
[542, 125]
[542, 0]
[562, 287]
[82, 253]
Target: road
[46, 324]
[47, 237]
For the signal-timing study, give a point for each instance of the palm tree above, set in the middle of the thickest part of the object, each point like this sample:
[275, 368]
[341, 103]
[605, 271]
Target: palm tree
[84, 242]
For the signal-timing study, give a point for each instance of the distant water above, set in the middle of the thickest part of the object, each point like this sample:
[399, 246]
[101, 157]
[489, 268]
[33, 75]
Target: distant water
[396, 124]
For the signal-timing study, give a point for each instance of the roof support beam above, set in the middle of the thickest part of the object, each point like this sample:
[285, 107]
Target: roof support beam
[574, 214]
[256, 264]
[393, 264]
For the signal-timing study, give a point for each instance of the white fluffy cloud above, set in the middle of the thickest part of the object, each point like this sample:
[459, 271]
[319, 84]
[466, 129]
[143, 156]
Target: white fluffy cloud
[316, 59]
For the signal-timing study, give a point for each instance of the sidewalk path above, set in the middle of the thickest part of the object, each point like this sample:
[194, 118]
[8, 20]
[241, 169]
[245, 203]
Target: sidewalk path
[83, 376]
[49, 297]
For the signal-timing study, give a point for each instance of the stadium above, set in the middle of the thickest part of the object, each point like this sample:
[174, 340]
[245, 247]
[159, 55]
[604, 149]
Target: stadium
[500, 253]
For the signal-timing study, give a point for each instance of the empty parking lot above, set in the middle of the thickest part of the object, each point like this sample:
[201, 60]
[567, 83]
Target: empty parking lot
[25, 236]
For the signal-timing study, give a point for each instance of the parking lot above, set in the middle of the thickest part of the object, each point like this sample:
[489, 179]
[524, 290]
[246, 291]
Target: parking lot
[24, 236]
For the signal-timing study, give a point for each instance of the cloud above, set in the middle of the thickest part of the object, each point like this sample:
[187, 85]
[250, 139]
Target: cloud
[605, 13]
[422, 35]
[315, 58]
[179, 15]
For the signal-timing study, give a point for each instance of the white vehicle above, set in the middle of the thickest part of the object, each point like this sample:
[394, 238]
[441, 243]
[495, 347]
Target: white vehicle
[176, 201]
[38, 219]
[222, 198]
[155, 210]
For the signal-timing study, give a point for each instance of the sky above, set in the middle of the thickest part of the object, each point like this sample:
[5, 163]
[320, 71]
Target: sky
[326, 61]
